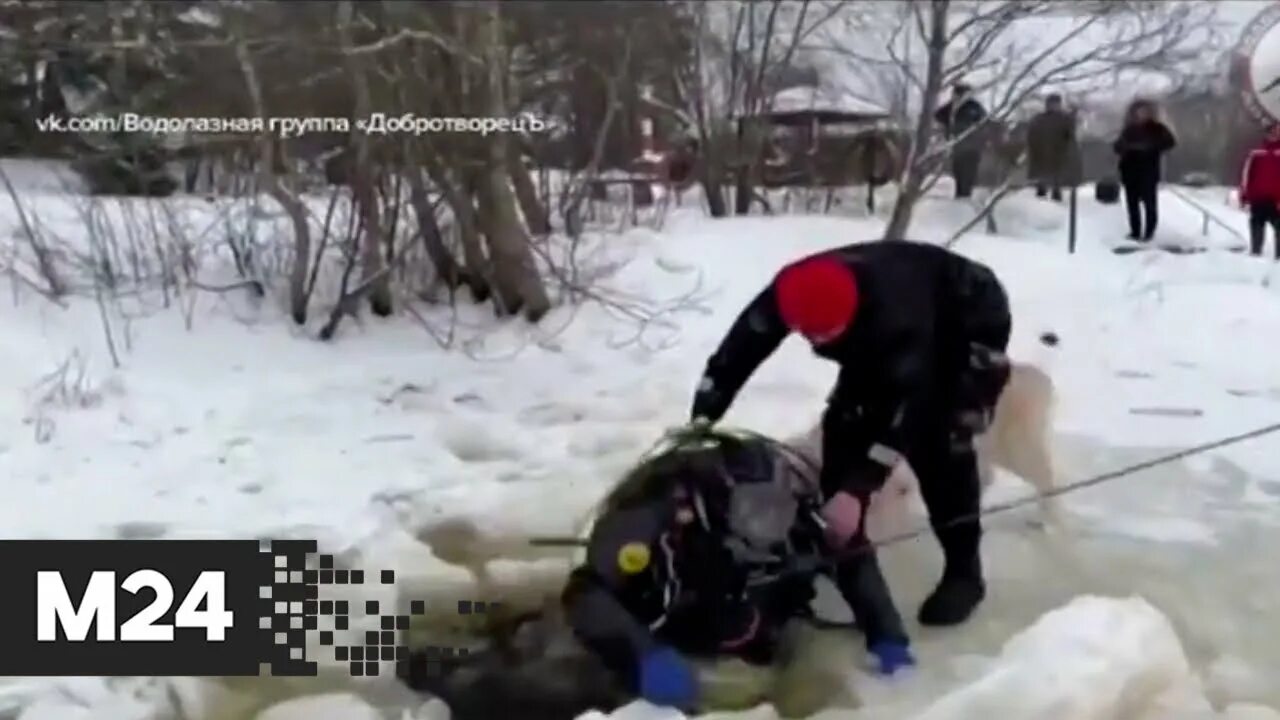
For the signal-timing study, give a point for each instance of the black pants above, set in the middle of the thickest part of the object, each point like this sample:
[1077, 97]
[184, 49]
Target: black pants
[946, 465]
[1054, 190]
[945, 462]
[1140, 200]
[964, 168]
[857, 573]
[1260, 216]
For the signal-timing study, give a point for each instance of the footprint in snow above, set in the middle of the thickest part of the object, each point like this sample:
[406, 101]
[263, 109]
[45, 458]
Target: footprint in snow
[472, 399]
[551, 414]
[474, 445]
[674, 267]
[594, 446]
[141, 530]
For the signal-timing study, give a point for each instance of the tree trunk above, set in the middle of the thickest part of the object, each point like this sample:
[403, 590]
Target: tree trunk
[535, 214]
[712, 177]
[295, 208]
[917, 169]
[510, 247]
[362, 183]
[750, 153]
[467, 221]
[506, 298]
[447, 268]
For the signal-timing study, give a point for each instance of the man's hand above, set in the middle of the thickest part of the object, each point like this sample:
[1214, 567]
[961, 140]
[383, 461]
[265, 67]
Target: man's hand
[843, 514]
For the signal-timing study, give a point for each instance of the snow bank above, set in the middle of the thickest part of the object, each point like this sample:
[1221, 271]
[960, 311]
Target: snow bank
[1093, 658]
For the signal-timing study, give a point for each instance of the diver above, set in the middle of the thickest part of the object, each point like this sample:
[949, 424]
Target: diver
[708, 550]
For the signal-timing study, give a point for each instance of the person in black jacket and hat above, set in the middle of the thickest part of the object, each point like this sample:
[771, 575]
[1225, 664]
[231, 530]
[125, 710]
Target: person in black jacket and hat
[1141, 148]
[920, 335]
[962, 118]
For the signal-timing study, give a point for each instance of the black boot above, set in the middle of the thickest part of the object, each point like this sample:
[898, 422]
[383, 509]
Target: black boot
[953, 601]
[1257, 237]
[955, 598]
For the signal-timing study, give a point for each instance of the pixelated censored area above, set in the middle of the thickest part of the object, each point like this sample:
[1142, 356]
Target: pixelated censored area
[271, 589]
[286, 591]
[295, 606]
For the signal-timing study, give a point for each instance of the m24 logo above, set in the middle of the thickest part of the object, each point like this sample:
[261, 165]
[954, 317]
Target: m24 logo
[203, 606]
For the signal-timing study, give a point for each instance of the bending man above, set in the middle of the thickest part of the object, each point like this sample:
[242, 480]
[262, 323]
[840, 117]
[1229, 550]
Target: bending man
[920, 335]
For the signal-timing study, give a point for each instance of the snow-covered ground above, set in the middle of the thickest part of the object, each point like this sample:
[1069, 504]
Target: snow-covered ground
[225, 421]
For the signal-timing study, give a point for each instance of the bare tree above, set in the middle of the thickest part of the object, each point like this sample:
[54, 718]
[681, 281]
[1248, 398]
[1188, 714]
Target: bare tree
[742, 50]
[363, 179]
[515, 268]
[269, 151]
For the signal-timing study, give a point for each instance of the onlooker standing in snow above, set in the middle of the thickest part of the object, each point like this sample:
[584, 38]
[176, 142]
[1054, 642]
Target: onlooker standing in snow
[961, 119]
[1050, 139]
[1141, 147]
[1260, 191]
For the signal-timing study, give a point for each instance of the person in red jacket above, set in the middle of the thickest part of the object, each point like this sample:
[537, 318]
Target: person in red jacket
[1260, 191]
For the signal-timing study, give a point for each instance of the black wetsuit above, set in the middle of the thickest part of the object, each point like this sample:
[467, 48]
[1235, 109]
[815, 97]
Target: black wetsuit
[696, 592]
[921, 368]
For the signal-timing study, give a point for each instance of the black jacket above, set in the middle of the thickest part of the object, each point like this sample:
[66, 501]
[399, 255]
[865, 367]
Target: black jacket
[1141, 148]
[903, 359]
[958, 120]
[691, 592]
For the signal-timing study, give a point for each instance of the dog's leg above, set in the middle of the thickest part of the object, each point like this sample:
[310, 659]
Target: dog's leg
[986, 466]
[1029, 458]
[1019, 438]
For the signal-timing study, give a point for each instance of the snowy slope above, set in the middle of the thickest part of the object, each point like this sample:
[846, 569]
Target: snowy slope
[240, 426]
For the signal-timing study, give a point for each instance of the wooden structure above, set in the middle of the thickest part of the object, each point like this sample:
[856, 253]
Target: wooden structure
[815, 138]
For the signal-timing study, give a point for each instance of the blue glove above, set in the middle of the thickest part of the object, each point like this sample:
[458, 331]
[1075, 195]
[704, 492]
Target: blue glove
[667, 679]
[891, 656]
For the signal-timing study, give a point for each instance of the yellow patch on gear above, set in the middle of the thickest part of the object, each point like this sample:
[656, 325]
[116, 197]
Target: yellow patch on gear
[633, 558]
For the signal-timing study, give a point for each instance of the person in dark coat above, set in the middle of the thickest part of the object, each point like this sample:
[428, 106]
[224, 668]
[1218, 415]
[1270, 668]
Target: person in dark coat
[1141, 148]
[962, 119]
[1051, 140]
[1260, 191]
[707, 551]
[920, 334]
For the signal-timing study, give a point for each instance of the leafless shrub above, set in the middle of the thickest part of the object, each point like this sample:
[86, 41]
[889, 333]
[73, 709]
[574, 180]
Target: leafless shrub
[69, 386]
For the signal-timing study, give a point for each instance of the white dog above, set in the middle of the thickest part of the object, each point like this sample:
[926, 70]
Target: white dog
[1017, 441]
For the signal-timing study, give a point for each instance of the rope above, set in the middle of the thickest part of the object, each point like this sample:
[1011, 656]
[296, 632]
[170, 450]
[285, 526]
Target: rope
[1092, 481]
[1002, 507]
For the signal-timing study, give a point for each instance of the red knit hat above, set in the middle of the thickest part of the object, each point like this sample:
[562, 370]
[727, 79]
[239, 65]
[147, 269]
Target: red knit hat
[817, 297]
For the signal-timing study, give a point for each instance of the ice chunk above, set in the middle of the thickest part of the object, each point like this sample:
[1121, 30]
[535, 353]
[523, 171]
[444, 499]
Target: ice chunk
[330, 706]
[1249, 711]
[1095, 657]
